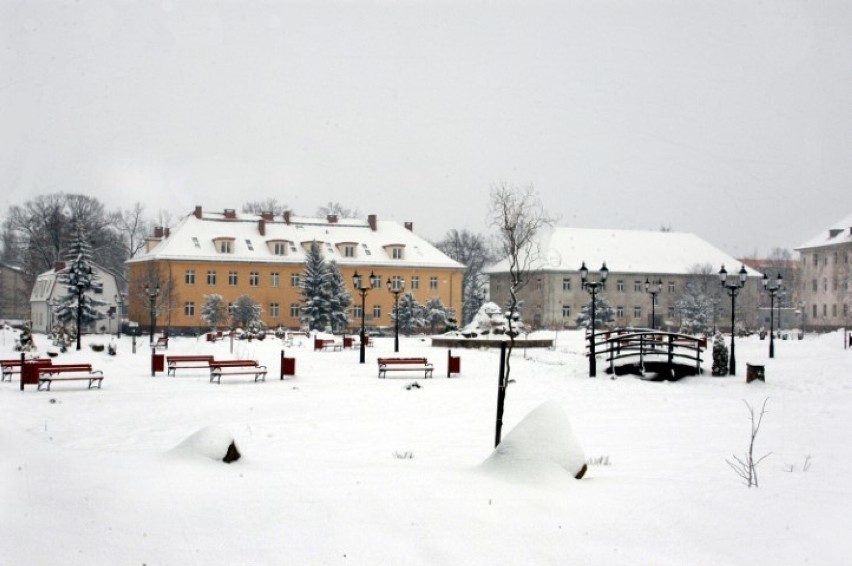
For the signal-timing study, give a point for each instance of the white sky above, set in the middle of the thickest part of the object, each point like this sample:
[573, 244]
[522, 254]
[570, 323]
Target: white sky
[729, 119]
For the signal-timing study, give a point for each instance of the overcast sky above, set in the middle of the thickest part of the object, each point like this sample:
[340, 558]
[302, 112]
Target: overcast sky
[729, 119]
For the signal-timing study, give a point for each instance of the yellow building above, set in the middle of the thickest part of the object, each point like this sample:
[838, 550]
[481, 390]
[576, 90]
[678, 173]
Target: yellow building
[263, 256]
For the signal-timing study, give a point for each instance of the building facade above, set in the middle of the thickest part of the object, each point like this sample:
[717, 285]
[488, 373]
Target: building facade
[48, 290]
[14, 294]
[264, 256]
[825, 278]
[554, 296]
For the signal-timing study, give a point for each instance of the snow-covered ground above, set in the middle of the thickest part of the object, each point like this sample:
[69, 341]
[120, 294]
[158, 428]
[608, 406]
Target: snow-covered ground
[339, 467]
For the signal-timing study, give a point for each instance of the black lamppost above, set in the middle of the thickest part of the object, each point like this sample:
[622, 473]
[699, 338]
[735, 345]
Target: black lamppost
[152, 296]
[592, 287]
[773, 290]
[119, 301]
[733, 289]
[396, 286]
[653, 288]
[358, 283]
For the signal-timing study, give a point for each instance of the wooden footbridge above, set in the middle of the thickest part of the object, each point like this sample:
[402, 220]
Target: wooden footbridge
[653, 354]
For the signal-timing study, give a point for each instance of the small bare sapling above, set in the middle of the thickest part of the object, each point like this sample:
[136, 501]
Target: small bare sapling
[746, 467]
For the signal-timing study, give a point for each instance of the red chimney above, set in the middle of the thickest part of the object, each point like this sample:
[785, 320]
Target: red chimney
[332, 218]
[166, 232]
[268, 216]
[287, 216]
[371, 219]
[58, 266]
[261, 226]
[230, 213]
[198, 212]
[158, 232]
[409, 226]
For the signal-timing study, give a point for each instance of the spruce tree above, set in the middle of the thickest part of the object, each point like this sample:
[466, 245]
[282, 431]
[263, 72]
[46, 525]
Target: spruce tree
[435, 313]
[316, 296]
[411, 314]
[81, 281]
[604, 314]
[245, 311]
[339, 298]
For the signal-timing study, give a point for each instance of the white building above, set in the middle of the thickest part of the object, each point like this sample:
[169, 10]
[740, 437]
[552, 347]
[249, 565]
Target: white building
[554, 296]
[48, 290]
[825, 289]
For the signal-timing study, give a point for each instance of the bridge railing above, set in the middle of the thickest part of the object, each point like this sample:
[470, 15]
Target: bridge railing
[626, 343]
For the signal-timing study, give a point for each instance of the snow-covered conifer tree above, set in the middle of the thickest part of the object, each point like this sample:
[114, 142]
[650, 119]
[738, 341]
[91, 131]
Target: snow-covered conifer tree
[316, 296]
[411, 314]
[339, 298]
[80, 280]
[435, 313]
[604, 314]
[214, 311]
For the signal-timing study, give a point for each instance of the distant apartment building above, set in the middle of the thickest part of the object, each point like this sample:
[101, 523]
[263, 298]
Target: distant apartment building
[825, 277]
[14, 294]
[264, 256]
[554, 295]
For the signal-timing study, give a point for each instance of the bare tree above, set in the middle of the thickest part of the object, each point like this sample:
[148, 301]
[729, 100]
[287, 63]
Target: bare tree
[335, 208]
[746, 467]
[518, 215]
[472, 251]
[268, 205]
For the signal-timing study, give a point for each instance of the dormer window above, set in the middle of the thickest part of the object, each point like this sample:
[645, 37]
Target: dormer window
[347, 249]
[395, 251]
[224, 245]
[249, 245]
[278, 247]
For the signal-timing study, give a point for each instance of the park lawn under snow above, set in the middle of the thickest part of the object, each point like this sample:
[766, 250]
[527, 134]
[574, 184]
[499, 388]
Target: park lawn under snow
[339, 467]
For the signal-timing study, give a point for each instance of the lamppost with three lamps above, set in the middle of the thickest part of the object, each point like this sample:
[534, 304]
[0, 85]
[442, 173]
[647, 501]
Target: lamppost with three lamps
[592, 288]
[396, 286]
[653, 288]
[119, 301]
[772, 290]
[358, 283]
[733, 289]
[152, 296]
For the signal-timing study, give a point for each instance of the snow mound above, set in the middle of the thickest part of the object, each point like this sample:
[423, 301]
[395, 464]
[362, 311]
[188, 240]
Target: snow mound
[212, 442]
[542, 445]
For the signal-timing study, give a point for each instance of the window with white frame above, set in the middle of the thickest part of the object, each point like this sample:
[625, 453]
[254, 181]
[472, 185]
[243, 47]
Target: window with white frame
[233, 278]
[295, 280]
[566, 311]
[295, 310]
[279, 248]
[566, 284]
[274, 310]
[619, 312]
[671, 286]
[377, 312]
[357, 312]
[189, 277]
[211, 277]
[619, 286]
[637, 312]
[349, 250]
[415, 282]
[433, 283]
[254, 279]
[274, 279]
[189, 308]
[637, 286]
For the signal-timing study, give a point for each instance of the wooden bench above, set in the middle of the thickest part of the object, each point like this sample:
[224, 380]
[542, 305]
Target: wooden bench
[174, 362]
[404, 364]
[162, 342]
[327, 344]
[14, 366]
[49, 373]
[218, 368]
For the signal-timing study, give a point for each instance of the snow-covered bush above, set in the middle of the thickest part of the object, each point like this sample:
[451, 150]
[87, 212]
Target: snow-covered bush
[491, 320]
[720, 356]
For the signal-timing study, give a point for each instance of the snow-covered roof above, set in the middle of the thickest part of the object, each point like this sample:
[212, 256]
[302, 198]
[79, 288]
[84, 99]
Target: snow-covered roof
[838, 233]
[626, 251]
[194, 239]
